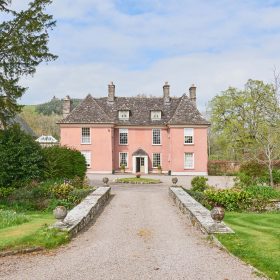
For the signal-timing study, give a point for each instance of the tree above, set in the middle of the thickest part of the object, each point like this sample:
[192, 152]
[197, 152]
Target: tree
[23, 46]
[21, 158]
[249, 120]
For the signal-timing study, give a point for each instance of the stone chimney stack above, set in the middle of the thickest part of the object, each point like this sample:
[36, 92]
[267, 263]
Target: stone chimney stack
[66, 107]
[166, 92]
[111, 92]
[193, 93]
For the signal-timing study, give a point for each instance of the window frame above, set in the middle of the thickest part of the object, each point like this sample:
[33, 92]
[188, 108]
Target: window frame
[156, 144]
[160, 160]
[83, 137]
[188, 135]
[186, 167]
[122, 112]
[123, 129]
[126, 159]
[155, 112]
[84, 153]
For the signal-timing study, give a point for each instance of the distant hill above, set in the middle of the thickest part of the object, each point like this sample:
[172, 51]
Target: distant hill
[42, 118]
[54, 106]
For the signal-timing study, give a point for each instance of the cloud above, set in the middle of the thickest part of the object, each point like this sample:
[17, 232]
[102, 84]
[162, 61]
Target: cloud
[140, 44]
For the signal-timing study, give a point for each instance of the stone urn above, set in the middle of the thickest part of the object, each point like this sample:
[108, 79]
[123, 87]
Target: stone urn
[218, 213]
[105, 180]
[60, 213]
[174, 180]
[138, 175]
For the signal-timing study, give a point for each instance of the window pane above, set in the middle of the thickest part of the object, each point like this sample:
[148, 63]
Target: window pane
[189, 160]
[156, 136]
[188, 135]
[85, 135]
[87, 156]
[156, 160]
[123, 159]
[123, 136]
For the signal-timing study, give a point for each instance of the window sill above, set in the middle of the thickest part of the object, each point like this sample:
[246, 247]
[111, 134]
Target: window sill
[156, 144]
[192, 168]
[123, 144]
[85, 143]
[188, 144]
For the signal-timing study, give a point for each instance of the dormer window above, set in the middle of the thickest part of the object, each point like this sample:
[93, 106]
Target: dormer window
[124, 115]
[155, 115]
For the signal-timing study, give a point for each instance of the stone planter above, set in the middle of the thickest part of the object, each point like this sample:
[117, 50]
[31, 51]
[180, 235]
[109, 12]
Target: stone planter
[60, 213]
[174, 180]
[218, 214]
[105, 180]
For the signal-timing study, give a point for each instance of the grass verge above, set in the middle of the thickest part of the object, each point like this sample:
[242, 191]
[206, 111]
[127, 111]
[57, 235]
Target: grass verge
[33, 233]
[140, 180]
[257, 240]
[10, 218]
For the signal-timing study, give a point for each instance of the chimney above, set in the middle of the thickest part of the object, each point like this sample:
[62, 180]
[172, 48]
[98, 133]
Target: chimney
[192, 90]
[66, 107]
[166, 92]
[111, 92]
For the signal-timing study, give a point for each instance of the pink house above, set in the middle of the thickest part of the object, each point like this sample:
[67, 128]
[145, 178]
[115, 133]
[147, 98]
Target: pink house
[142, 134]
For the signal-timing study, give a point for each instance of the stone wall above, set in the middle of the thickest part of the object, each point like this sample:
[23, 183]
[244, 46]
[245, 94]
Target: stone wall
[199, 216]
[85, 212]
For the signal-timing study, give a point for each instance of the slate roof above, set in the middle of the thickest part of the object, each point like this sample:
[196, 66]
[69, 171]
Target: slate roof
[99, 110]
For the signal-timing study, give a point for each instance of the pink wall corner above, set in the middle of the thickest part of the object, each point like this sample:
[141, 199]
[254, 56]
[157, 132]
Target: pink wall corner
[199, 148]
[100, 147]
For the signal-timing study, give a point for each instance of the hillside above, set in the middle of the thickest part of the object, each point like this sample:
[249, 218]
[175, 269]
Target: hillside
[42, 118]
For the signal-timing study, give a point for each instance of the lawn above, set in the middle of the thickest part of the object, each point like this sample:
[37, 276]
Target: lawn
[257, 240]
[134, 180]
[33, 232]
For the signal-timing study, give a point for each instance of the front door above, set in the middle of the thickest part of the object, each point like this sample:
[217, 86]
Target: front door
[138, 166]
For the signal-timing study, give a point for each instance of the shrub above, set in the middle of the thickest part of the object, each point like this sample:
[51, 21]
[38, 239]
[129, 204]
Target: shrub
[251, 173]
[63, 162]
[199, 183]
[62, 191]
[230, 199]
[21, 158]
[5, 192]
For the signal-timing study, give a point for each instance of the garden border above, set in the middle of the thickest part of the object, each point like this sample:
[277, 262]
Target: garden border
[82, 214]
[198, 214]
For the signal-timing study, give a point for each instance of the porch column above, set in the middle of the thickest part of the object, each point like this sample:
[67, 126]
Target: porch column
[146, 164]
[133, 164]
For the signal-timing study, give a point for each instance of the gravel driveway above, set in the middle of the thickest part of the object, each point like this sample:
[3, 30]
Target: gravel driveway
[139, 235]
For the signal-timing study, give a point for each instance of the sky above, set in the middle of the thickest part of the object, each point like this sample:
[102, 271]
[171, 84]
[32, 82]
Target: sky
[140, 44]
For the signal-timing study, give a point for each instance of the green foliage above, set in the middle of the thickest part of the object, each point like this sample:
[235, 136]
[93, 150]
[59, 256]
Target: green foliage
[54, 107]
[5, 192]
[46, 195]
[254, 198]
[63, 162]
[252, 231]
[135, 180]
[246, 122]
[10, 218]
[21, 157]
[230, 199]
[41, 124]
[24, 45]
[199, 183]
[62, 191]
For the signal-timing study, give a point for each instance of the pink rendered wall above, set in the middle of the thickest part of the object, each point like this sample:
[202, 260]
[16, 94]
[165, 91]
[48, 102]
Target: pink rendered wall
[178, 148]
[100, 147]
[105, 144]
[142, 138]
